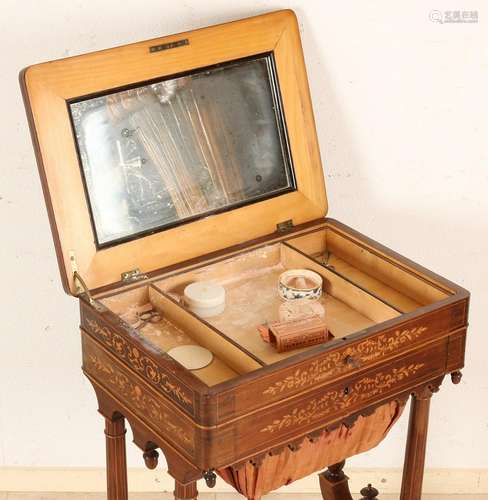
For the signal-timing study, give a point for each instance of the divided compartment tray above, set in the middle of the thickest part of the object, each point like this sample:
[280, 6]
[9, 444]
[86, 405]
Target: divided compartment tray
[353, 299]
[251, 283]
[177, 327]
[391, 282]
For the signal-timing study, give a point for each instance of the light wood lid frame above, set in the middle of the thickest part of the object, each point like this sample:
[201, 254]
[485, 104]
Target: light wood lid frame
[47, 87]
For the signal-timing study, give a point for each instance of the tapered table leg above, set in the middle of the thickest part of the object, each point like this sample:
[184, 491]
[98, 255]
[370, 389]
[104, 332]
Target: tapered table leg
[186, 491]
[116, 459]
[413, 469]
[334, 483]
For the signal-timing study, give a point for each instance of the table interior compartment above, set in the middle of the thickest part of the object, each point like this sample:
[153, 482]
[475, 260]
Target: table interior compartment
[383, 277]
[178, 327]
[361, 289]
[251, 283]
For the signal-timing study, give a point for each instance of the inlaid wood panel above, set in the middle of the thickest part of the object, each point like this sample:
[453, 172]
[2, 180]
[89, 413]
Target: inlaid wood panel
[285, 421]
[138, 395]
[138, 359]
[456, 350]
[342, 359]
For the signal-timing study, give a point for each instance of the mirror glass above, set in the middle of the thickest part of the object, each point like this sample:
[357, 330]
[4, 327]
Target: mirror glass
[170, 151]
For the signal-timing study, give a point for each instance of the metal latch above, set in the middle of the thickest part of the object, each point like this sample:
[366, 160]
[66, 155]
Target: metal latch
[78, 281]
[80, 285]
[134, 275]
[283, 227]
[82, 288]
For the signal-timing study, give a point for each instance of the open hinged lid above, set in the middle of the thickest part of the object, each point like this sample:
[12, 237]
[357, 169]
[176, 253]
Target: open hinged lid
[160, 151]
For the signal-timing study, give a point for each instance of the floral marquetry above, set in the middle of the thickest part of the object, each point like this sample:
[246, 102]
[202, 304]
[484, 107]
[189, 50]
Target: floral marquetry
[137, 395]
[340, 400]
[337, 363]
[141, 363]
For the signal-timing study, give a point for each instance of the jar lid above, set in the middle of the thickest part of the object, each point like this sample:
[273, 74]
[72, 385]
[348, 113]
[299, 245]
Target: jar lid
[204, 294]
[192, 357]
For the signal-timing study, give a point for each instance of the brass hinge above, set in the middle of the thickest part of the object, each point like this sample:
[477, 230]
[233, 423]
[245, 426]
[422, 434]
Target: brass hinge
[134, 275]
[283, 227]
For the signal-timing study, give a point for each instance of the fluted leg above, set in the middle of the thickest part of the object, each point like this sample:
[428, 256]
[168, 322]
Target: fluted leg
[334, 483]
[116, 460]
[186, 491]
[413, 469]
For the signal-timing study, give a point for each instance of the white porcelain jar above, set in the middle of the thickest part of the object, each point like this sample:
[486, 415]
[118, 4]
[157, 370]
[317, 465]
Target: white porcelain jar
[205, 298]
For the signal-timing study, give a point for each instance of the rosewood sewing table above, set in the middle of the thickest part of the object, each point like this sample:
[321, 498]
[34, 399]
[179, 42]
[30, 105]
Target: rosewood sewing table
[195, 156]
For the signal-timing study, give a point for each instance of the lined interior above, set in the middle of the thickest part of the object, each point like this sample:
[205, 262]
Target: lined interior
[172, 330]
[251, 283]
[360, 288]
[394, 285]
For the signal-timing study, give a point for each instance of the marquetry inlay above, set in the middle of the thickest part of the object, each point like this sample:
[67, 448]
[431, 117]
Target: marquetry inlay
[139, 398]
[140, 362]
[334, 364]
[339, 400]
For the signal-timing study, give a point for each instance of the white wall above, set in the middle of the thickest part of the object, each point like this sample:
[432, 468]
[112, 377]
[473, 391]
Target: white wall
[402, 119]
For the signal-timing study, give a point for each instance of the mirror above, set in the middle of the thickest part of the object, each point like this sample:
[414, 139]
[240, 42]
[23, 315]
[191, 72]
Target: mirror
[170, 151]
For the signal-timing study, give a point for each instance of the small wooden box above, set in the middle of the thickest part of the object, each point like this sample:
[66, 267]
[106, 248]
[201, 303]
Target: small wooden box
[193, 157]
